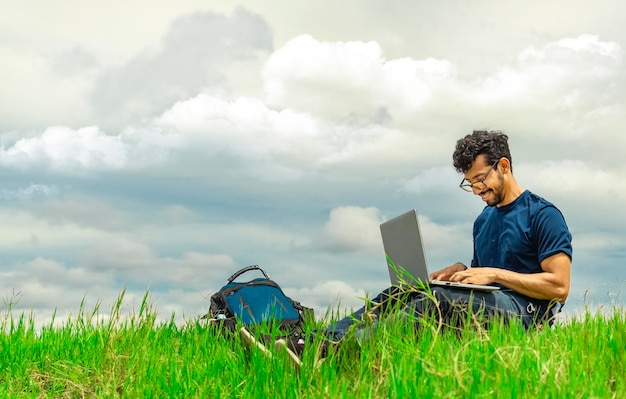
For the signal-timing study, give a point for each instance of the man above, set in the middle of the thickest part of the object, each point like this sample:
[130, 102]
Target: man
[521, 243]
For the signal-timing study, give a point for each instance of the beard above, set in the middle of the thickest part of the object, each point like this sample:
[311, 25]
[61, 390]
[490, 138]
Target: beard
[493, 195]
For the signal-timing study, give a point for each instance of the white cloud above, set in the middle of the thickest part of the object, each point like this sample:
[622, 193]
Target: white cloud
[312, 76]
[277, 145]
[579, 182]
[67, 149]
[245, 124]
[351, 228]
[590, 44]
[286, 145]
[578, 178]
[589, 195]
[244, 128]
[80, 151]
[563, 74]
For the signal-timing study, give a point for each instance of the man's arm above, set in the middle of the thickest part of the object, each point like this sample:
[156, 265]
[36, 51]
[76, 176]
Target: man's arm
[552, 283]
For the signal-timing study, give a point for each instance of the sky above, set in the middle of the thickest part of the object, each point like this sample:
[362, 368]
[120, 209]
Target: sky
[156, 147]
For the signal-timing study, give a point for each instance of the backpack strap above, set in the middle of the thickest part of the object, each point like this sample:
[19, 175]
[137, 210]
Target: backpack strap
[247, 269]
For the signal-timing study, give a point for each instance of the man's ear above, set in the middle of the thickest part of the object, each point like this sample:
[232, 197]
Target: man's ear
[504, 165]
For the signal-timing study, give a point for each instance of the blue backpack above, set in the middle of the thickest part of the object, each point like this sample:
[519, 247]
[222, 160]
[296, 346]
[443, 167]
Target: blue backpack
[254, 302]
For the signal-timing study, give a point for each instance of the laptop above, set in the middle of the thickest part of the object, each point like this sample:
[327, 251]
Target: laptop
[404, 249]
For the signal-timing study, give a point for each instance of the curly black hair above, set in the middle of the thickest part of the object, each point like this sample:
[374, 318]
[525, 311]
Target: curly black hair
[492, 143]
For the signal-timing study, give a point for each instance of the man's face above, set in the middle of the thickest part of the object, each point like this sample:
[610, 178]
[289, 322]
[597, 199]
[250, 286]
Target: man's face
[486, 181]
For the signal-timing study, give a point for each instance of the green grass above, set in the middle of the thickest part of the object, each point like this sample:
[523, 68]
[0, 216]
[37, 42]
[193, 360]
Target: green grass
[136, 357]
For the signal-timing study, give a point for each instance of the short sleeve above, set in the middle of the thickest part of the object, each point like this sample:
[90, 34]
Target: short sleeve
[551, 234]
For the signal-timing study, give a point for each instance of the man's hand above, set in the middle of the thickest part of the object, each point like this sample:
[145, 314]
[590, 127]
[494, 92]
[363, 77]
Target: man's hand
[446, 273]
[476, 275]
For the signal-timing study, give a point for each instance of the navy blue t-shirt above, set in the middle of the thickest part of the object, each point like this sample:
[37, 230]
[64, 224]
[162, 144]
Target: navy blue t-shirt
[520, 235]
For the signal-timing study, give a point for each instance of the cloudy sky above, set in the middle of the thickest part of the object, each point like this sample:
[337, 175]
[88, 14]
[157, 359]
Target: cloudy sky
[161, 146]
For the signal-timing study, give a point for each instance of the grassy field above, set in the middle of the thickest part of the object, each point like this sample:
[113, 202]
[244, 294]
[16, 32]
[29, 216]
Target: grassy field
[136, 357]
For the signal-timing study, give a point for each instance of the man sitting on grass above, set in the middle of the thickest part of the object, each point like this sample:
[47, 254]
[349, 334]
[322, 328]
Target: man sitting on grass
[521, 243]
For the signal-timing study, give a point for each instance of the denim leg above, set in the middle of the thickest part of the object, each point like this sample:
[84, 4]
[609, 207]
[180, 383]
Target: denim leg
[453, 303]
[338, 329]
[386, 299]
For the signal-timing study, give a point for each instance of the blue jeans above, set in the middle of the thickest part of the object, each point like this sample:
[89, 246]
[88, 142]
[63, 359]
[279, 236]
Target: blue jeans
[452, 305]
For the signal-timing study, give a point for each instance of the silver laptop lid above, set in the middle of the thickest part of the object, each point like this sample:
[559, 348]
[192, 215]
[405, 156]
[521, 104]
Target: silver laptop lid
[403, 245]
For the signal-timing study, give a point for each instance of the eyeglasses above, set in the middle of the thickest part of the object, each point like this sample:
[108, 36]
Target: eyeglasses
[479, 185]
